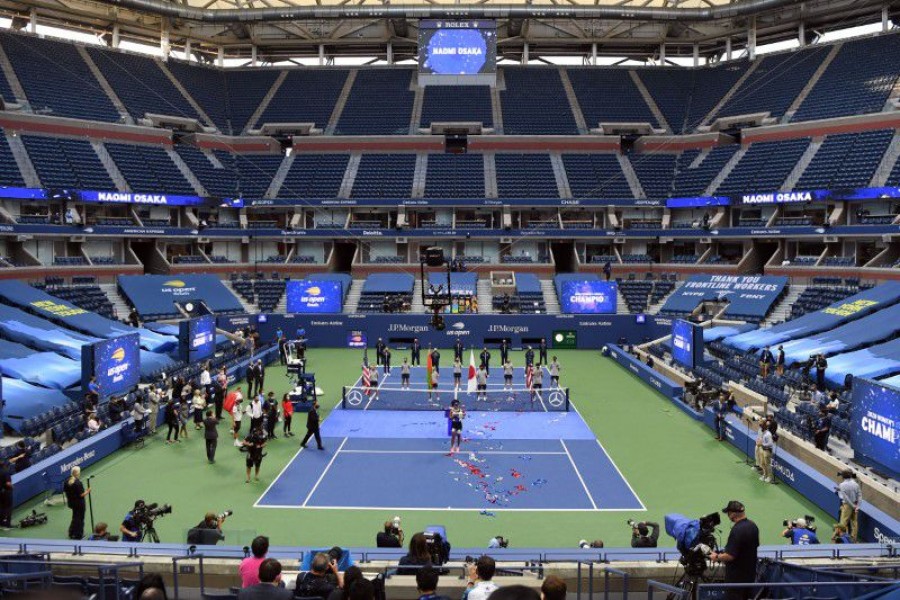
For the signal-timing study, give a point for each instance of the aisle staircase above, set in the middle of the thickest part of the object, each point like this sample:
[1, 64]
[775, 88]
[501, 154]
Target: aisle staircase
[485, 297]
[248, 307]
[782, 311]
[654, 309]
[351, 303]
[416, 306]
[551, 301]
[118, 301]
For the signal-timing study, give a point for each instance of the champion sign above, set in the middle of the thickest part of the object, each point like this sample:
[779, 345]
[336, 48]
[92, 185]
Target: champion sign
[589, 297]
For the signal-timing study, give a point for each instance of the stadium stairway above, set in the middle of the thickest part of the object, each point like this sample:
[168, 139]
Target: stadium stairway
[888, 161]
[551, 301]
[281, 307]
[782, 311]
[621, 303]
[484, 295]
[351, 302]
[808, 155]
[264, 103]
[416, 306]
[23, 161]
[119, 304]
[654, 309]
[249, 308]
[811, 83]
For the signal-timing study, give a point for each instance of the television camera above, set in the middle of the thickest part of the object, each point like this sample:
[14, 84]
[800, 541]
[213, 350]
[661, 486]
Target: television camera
[32, 520]
[695, 540]
[146, 514]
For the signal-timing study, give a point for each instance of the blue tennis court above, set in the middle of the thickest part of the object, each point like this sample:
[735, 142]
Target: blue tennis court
[530, 457]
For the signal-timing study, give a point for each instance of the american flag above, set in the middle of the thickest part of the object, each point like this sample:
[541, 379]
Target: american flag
[529, 376]
[367, 381]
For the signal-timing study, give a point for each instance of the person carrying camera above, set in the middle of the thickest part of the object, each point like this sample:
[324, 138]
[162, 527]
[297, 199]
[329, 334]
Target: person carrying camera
[800, 532]
[391, 537]
[641, 535]
[254, 444]
[850, 495]
[322, 578]
[479, 575]
[131, 524]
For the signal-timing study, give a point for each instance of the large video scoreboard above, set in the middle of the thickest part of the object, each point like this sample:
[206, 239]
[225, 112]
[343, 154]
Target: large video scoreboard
[457, 52]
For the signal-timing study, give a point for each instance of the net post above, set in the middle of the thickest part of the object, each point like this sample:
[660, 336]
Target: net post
[344, 397]
[567, 399]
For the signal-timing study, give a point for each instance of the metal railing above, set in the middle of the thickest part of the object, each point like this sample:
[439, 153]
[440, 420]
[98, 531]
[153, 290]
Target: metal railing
[109, 575]
[808, 588]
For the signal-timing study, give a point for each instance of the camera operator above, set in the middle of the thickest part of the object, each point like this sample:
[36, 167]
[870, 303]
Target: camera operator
[641, 536]
[101, 533]
[391, 537]
[131, 525]
[800, 532]
[740, 552]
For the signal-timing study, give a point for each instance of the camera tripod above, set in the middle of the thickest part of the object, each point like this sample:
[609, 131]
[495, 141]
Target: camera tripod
[148, 533]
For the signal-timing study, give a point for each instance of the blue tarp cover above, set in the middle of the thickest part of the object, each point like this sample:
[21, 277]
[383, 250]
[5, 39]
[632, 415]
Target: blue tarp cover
[70, 316]
[157, 294]
[849, 309]
[19, 326]
[892, 381]
[714, 334]
[748, 295]
[872, 362]
[874, 328]
[26, 401]
[388, 283]
[41, 368]
[151, 363]
[527, 283]
[462, 284]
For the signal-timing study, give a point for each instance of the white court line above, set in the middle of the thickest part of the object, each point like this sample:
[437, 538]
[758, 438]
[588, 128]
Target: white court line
[462, 453]
[578, 473]
[444, 508]
[616, 467]
[324, 472]
[377, 387]
[296, 454]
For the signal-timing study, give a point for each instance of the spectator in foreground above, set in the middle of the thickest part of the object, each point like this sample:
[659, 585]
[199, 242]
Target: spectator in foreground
[740, 551]
[269, 586]
[427, 582]
[351, 576]
[479, 585]
[515, 592]
[249, 567]
[553, 588]
[151, 586]
[362, 590]
[321, 580]
[418, 555]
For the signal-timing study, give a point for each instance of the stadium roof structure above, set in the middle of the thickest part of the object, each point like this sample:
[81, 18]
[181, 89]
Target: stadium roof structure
[271, 31]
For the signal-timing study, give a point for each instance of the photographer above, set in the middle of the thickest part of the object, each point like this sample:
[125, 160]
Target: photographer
[255, 443]
[800, 532]
[641, 537]
[209, 530]
[131, 525]
[391, 537]
[840, 535]
[321, 580]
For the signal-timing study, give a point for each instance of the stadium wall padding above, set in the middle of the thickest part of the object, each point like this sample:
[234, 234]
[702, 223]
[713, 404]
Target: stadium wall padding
[331, 331]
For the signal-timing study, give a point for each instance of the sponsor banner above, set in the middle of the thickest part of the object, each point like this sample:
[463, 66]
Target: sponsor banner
[875, 426]
[356, 338]
[687, 343]
[656, 380]
[336, 330]
[589, 297]
[314, 296]
[116, 363]
[197, 338]
[564, 339]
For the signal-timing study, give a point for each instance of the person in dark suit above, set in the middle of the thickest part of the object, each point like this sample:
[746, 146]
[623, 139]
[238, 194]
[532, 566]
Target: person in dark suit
[765, 361]
[269, 586]
[211, 435]
[415, 351]
[386, 359]
[486, 360]
[6, 496]
[529, 357]
[251, 378]
[379, 351]
[458, 350]
[312, 426]
[504, 351]
[436, 359]
[75, 494]
[821, 365]
[542, 349]
[260, 376]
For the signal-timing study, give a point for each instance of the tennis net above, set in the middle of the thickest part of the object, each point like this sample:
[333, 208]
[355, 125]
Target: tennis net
[491, 400]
